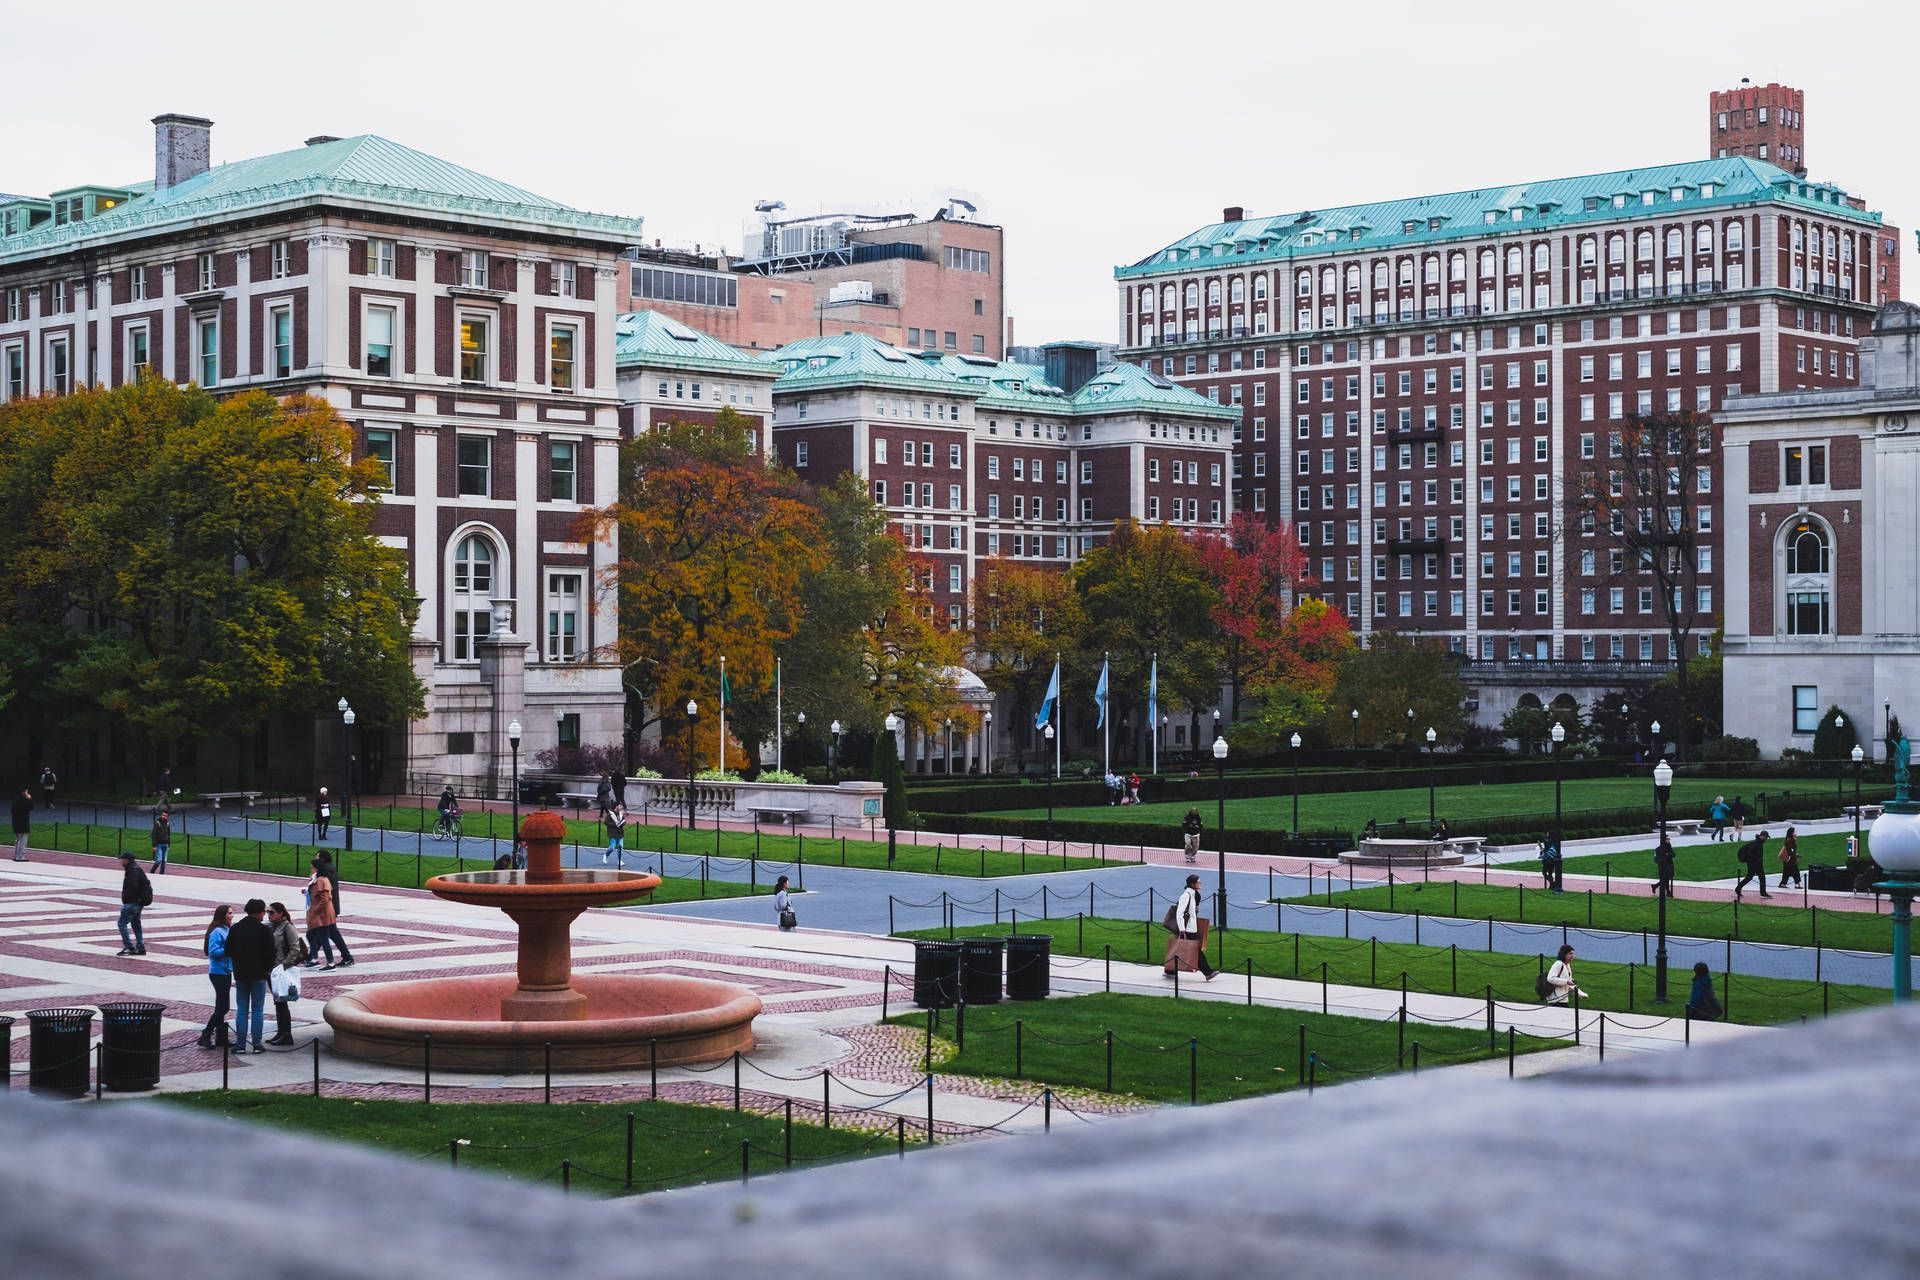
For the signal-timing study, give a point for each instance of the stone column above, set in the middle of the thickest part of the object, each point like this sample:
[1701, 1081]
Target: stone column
[503, 668]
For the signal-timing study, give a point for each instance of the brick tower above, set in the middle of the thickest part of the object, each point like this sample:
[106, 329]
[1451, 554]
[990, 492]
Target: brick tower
[1762, 121]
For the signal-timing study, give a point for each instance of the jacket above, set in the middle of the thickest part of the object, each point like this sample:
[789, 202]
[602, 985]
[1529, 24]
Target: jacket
[250, 949]
[135, 889]
[217, 963]
[332, 874]
[162, 832]
[1753, 854]
[1701, 999]
[1191, 824]
[1187, 913]
[288, 947]
[320, 912]
[22, 815]
[1718, 813]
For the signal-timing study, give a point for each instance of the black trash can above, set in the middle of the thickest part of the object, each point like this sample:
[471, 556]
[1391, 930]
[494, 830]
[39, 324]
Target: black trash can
[1029, 966]
[130, 1044]
[980, 968]
[58, 1045]
[6, 1053]
[936, 974]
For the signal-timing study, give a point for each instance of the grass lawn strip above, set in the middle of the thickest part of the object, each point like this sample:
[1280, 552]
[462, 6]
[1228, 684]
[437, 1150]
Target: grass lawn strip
[675, 1144]
[1361, 962]
[1622, 912]
[1243, 1050]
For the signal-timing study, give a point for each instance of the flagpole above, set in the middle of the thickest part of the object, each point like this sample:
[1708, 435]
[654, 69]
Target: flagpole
[1059, 730]
[1106, 722]
[723, 714]
[779, 725]
[1153, 711]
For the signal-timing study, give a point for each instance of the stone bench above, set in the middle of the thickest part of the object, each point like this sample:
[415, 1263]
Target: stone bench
[1685, 826]
[1467, 846]
[578, 799]
[782, 814]
[214, 798]
[1867, 812]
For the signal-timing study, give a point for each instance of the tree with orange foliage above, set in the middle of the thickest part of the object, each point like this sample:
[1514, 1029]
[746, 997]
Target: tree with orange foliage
[1256, 568]
[1023, 616]
[1313, 645]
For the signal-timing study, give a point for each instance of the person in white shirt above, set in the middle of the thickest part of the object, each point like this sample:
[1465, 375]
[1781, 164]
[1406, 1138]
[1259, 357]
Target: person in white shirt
[1186, 919]
[1560, 978]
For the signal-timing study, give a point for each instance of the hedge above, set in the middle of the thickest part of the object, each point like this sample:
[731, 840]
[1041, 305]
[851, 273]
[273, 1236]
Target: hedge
[1124, 835]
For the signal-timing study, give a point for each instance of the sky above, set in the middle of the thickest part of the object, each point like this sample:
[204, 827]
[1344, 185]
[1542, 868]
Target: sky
[1094, 133]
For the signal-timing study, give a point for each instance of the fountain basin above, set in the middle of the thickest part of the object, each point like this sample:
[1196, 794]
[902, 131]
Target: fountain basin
[571, 889]
[625, 1021]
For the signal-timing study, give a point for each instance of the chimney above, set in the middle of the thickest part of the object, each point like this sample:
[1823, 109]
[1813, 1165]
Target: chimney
[1233, 213]
[1071, 365]
[181, 149]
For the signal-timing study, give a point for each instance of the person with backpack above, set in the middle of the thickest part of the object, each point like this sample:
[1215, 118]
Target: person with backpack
[1717, 817]
[136, 894]
[1663, 868]
[1551, 865]
[1753, 856]
[1789, 860]
[1702, 1004]
[616, 823]
[1186, 926]
[161, 837]
[1557, 984]
[49, 783]
[220, 973]
[1190, 828]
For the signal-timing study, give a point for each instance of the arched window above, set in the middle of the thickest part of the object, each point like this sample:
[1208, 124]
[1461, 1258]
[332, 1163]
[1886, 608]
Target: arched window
[1259, 288]
[1213, 293]
[1239, 290]
[1643, 244]
[1193, 294]
[1808, 553]
[1616, 248]
[1736, 237]
[1380, 275]
[473, 587]
[1513, 260]
[1676, 243]
[1457, 267]
[1540, 257]
[1167, 297]
[1406, 271]
[1589, 251]
[1703, 238]
[1353, 276]
[1487, 261]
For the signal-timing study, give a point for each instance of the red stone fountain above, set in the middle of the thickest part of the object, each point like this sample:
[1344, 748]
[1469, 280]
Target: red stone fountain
[543, 1014]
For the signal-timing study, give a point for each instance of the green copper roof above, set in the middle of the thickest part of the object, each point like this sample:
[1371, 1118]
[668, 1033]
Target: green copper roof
[363, 170]
[649, 339]
[1126, 386]
[855, 359]
[1556, 202]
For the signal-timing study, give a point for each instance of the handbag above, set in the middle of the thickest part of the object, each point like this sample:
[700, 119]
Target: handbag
[1183, 954]
[1170, 921]
[285, 984]
[788, 920]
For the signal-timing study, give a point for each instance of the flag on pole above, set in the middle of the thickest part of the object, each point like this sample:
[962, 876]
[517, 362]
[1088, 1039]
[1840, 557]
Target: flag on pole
[1153, 695]
[1100, 696]
[726, 689]
[1046, 703]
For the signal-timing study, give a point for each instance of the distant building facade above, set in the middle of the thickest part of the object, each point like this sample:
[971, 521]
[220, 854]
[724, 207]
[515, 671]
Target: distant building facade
[1764, 121]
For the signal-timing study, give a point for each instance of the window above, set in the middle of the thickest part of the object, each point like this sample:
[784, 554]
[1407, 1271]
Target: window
[1806, 708]
[560, 349]
[280, 326]
[380, 325]
[277, 260]
[380, 258]
[959, 259]
[207, 272]
[1805, 464]
[474, 467]
[800, 454]
[563, 461]
[13, 372]
[1809, 561]
[137, 284]
[474, 348]
[566, 279]
[563, 617]
[139, 351]
[472, 596]
[207, 347]
[381, 449]
[473, 268]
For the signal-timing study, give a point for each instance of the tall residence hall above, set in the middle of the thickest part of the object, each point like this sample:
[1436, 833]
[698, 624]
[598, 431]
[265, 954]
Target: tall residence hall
[464, 327]
[1418, 379]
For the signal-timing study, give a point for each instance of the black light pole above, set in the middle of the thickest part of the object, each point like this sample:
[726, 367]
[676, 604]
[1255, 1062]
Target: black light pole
[1047, 733]
[833, 751]
[513, 741]
[1858, 757]
[1662, 785]
[986, 747]
[1409, 728]
[693, 709]
[1559, 735]
[1295, 740]
[1356, 729]
[893, 739]
[800, 729]
[1432, 820]
[1220, 820]
[346, 772]
[1840, 770]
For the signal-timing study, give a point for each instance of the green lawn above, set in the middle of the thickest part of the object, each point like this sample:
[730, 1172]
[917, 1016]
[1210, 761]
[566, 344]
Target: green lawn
[1361, 962]
[1242, 1050]
[1714, 861]
[674, 1145]
[361, 866]
[1460, 805]
[1754, 921]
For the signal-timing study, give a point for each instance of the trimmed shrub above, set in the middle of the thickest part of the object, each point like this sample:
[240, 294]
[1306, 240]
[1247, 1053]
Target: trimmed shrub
[1729, 749]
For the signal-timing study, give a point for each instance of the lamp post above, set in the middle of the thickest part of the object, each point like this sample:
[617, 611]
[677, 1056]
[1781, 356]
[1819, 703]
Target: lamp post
[949, 756]
[1220, 819]
[893, 729]
[986, 765]
[800, 726]
[1896, 849]
[1559, 735]
[1840, 769]
[1432, 818]
[1409, 728]
[1356, 729]
[1047, 733]
[346, 772]
[833, 750]
[1859, 757]
[693, 710]
[1295, 742]
[513, 743]
[1662, 787]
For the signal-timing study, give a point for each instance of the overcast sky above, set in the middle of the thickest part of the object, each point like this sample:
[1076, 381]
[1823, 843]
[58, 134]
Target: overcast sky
[1094, 133]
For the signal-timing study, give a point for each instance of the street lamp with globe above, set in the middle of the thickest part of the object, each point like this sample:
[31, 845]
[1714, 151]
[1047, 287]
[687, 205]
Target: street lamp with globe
[346, 771]
[833, 752]
[1356, 728]
[1895, 841]
[1047, 733]
[1559, 736]
[892, 723]
[513, 744]
[1662, 788]
[1432, 819]
[1220, 820]
[1294, 741]
[693, 710]
[1859, 758]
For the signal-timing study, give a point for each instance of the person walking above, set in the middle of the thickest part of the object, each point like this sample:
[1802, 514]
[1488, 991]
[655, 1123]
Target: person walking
[250, 950]
[1752, 856]
[1717, 817]
[331, 871]
[1133, 788]
[322, 814]
[620, 788]
[1186, 919]
[1190, 828]
[1702, 1004]
[1560, 978]
[136, 894]
[323, 928]
[165, 784]
[22, 823]
[1552, 870]
[616, 822]
[289, 953]
[1789, 860]
[49, 783]
[161, 836]
[783, 906]
[220, 974]
[1663, 868]
[1738, 814]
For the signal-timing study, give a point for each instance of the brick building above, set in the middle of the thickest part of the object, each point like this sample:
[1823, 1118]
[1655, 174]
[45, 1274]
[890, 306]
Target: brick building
[668, 371]
[462, 326]
[1766, 122]
[1418, 379]
[1823, 530]
[705, 292]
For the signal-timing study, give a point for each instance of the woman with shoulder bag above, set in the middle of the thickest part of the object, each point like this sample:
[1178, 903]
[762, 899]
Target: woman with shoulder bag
[289, 953]
[783, 906]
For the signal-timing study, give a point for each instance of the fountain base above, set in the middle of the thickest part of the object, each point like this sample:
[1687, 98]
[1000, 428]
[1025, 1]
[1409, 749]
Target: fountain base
[628, 1021]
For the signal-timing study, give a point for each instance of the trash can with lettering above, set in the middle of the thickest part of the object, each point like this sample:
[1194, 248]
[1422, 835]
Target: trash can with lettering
[936, 974]
[130, 1044]
[1029, 966]
[980, 969]
[59, 1042]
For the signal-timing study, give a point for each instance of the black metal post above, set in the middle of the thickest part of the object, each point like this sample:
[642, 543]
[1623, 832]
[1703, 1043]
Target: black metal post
[1660, 952]
[513, 835]
[1049, 811]
[1431, 818]
[691, 746]
[346, 773]
[1856, 805]
[1556, 806]
[1220, 833]
[1296, 793]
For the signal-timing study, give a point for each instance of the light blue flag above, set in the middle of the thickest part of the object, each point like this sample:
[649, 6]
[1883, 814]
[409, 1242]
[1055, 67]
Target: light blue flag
[1153, 694]
[1046, 703]
[1100, 695]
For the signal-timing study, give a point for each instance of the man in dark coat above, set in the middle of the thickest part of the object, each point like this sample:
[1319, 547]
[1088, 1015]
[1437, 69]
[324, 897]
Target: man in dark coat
[22, 823]
[1753, 856]
[253, 951]
[136, 894]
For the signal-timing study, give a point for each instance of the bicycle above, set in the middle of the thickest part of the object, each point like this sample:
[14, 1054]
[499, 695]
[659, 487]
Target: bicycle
[447, 828]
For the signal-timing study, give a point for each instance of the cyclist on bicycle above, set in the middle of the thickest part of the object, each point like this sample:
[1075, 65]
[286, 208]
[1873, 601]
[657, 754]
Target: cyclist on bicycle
[449, 812]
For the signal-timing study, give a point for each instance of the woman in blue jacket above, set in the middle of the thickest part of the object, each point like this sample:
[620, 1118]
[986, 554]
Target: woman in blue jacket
[220, 974]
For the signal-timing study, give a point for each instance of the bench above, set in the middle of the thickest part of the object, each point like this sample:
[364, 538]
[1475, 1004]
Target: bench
[1868, 812]
[578, 799]
[1467, 846]
[785, 814]
[1685, 826]
[215, 797]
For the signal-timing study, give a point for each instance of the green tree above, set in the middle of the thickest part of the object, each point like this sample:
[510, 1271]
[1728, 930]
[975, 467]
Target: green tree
[886, 770]
[1022, 616]
[1835, 736]
[1396, 673]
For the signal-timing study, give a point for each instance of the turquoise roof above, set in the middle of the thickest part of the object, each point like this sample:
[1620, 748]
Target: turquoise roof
[366, 169]
[1556, 202]
[859, 360]
[652, 340]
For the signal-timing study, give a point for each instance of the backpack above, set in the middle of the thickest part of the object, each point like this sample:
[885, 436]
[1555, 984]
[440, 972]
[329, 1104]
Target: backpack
[144, 892]
[1541, 987]
[1708, 1010]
